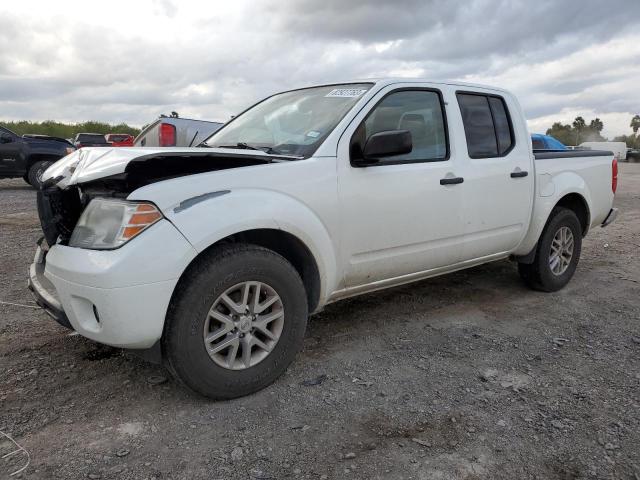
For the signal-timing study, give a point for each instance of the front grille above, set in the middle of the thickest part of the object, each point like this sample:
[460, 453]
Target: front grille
[59, 211]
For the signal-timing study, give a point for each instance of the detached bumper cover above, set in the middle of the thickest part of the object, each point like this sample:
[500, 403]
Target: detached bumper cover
[43, 290]
[613, 214]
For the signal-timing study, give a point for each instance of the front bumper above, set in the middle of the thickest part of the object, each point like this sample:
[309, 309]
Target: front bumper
[117, 297]
[43, 290]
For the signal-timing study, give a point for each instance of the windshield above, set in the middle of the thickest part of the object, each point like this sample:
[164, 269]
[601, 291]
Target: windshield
[290, 123]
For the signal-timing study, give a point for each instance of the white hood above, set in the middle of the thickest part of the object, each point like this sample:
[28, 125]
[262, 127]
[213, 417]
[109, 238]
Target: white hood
[92, 163]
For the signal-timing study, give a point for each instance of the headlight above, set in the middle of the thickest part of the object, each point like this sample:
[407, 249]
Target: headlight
[69, 150]
[106, 224]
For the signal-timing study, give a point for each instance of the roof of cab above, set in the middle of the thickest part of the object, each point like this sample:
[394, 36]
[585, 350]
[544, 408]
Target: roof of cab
[384, 81]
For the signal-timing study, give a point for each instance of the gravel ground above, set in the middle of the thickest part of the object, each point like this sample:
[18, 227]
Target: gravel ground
[466, 376]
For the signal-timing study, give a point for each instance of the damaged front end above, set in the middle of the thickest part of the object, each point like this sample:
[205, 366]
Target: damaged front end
[71, 184]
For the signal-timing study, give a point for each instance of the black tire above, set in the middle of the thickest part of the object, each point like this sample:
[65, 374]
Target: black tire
[183, 345]
[538, 275]
[36, 171]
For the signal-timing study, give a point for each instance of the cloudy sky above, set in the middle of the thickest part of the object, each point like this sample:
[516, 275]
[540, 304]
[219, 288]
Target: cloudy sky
[129, 61]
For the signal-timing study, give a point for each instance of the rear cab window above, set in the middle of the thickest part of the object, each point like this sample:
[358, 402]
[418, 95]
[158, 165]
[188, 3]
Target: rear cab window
[487, 124]
[88, 137]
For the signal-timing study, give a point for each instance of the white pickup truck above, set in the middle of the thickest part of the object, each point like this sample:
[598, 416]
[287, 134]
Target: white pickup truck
[214, 257]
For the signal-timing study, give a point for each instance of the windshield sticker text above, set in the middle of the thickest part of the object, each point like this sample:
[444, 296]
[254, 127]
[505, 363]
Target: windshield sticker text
[346, 92]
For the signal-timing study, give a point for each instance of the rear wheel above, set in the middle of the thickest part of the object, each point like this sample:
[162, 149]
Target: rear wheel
[236, 321]
[34, 176]
[557, 253]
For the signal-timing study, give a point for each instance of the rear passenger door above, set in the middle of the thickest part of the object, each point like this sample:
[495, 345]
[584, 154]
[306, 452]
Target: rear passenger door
[498, 174]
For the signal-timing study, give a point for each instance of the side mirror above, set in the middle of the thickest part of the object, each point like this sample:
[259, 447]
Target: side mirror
[386, 144]
[6, 138]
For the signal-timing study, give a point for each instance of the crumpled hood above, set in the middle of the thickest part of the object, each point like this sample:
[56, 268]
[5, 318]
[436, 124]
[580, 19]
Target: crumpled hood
[92, 163]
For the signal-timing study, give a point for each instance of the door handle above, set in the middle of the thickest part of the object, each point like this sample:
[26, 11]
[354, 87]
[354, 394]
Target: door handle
[451, 180]
[519, 174]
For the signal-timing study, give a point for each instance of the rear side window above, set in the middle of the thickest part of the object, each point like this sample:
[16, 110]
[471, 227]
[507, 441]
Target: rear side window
[487, 125]
[502, 124]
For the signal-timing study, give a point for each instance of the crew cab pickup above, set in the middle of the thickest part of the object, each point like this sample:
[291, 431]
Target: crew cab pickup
[28, 156]
[214, 257]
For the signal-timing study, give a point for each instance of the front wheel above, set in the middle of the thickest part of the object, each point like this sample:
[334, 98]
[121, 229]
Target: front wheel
[236, 321]
[557, 253]
[34, 175]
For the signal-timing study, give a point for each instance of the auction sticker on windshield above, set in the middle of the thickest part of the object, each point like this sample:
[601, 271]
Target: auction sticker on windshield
[346, 92]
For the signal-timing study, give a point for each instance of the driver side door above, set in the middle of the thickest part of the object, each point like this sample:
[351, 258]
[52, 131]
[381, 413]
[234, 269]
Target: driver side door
[398, 219]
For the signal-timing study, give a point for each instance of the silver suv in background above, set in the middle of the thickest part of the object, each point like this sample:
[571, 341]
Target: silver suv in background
[174, 131]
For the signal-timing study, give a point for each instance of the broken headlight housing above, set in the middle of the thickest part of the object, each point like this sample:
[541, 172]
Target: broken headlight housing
[107, 224]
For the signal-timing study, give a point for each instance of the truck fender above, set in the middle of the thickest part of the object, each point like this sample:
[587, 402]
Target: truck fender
[218, 215]
[548, 194]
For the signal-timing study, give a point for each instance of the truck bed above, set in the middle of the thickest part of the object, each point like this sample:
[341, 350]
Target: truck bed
[585, 168]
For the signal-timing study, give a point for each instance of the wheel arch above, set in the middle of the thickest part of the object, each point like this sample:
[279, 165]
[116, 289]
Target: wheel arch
[289, 246]
[41, 157]
[575, 200]
[578, 204]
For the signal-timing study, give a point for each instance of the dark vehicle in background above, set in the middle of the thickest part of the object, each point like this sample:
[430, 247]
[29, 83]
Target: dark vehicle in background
[28, 156]
[90, 140]
[175, 132]
[546, 142]
[119, 139]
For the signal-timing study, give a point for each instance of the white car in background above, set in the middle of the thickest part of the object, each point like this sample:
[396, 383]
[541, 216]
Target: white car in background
[619, 149]
[214, 257]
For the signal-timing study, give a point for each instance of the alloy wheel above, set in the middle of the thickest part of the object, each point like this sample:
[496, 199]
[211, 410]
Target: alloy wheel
[243, 325]
[561, 251]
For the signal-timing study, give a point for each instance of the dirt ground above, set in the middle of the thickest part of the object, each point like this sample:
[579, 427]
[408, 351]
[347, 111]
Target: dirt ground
[466, 376]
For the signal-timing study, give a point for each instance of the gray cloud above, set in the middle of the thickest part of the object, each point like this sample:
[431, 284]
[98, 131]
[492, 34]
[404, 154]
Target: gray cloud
[210, 64]
[450, 30]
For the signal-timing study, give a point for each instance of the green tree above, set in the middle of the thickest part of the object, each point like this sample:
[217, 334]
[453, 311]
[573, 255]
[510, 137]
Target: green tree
[67, 130]
[632, 141]
[564, 133]
[635, 124]
[579, 131]
[596, 125]
[578, 126]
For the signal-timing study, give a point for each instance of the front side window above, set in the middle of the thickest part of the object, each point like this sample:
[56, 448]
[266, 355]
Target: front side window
[290, 123]
[418, 111]
[487, 126]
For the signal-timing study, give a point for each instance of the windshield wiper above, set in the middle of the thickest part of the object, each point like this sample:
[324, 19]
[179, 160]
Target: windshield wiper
[240, 145]
[246, 146]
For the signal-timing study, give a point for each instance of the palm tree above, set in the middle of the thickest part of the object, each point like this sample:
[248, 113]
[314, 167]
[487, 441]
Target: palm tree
[596, 124]
[579, 124]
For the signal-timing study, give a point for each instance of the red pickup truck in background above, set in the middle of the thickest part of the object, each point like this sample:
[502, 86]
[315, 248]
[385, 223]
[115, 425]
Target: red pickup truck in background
[119, 139]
